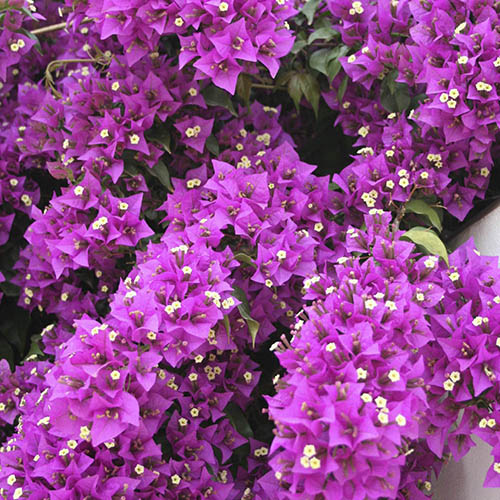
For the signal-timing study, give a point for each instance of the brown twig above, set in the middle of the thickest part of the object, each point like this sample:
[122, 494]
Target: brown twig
[57, 27]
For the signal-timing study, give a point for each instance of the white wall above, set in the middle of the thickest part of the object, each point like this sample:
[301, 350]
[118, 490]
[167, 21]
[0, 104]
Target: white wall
[464, 480]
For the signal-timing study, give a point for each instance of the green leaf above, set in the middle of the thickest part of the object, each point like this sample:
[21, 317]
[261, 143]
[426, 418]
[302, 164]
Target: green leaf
[309, 10]
[295, 89]
[333, 69]
[212, 145]
[326, 61]
[244, 309]
[394, 96]
[244, 87]
[342, 89]
[238, 420]
[245, 259]
[35, 346]
[428, 240]
[422, 208]
[215, 96]
[9, 289]
[319, 60]
[390, 80]
[298, 46]
[227, 326]
[312, 92]
[163, 137]
[325, 33]
[37, 45]
[160, 171]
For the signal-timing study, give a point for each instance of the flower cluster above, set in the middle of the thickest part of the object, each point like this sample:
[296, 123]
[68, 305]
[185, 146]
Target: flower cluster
[445, 74]
[216, 320]
[223, 37]
[83, 229]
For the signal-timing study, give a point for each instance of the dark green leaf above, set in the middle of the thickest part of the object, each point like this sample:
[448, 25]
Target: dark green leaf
[312, 92]
[162, 136]
[422, 208]
[244, 309]
[298, 46]
[394, 96]
[35, 346]
[215, 96]
[245, 259]
[10, 289]
[295, 89]
[428, 240]
[309, 10]
[319, 60]
[244, 87]
[332, 69]
[325, 33]
[326, 61]
[227, 326]
[212, 145]
[238, 420]
[160, 171]
[342, 89]
[390, 80]
[398, 101]
[283, 77]
[37, 45]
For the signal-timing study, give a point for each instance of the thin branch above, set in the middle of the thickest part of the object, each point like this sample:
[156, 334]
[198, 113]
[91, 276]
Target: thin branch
[57, 27]
[266, 86]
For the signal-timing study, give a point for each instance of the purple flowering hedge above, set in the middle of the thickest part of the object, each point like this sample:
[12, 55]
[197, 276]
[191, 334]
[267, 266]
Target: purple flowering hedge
[224, 247]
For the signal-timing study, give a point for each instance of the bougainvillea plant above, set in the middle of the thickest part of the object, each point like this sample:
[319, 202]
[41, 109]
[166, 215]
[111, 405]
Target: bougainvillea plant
[225, 258]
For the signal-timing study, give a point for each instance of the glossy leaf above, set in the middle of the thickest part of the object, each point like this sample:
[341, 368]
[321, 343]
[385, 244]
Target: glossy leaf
[215, 96]
[160, 171]
[309, 10]
[312, 92]
[422, 208]
[326, 33]
[212, 145]
[238, 420]
[428, 240]
[244, 309]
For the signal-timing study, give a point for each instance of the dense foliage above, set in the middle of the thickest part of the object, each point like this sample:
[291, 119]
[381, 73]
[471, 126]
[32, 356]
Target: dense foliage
[223, 254]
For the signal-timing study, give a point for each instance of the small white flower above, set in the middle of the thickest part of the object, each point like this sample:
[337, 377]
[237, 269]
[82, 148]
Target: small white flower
[366, 398]
[281, 254]
[448, 385]
[401, 420]
[134, 139]
[383, 418]
[330, 347]
[370, 304]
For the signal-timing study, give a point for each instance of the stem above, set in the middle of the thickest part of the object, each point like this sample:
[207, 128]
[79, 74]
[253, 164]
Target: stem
[402, 209]
[266, 86]
[57, 27]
